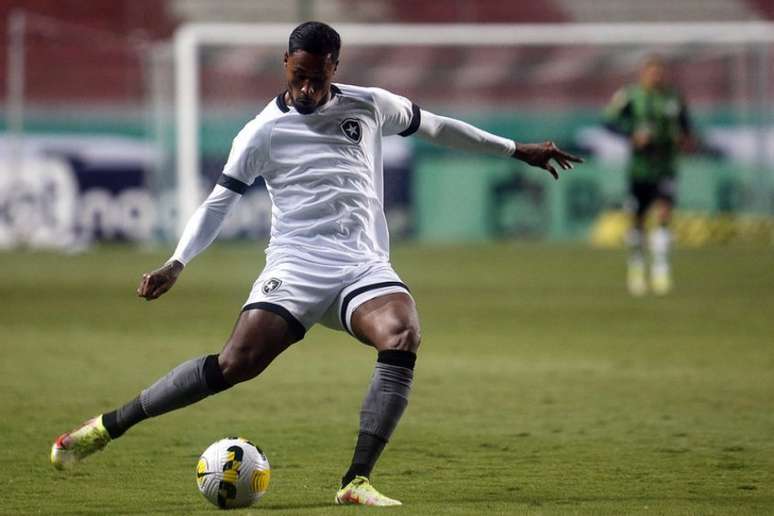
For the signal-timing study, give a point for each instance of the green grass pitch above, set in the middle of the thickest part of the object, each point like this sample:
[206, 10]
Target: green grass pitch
[541, 387]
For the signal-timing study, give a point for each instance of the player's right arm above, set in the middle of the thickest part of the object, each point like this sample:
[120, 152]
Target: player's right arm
[243, 166]
[199, 233]
[618, 116]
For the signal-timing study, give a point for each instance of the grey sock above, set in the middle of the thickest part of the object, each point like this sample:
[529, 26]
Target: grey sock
[382, 408]
[386, 400]
[188, 383]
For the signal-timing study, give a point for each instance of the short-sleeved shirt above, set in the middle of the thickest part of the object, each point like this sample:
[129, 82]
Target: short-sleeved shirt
[323, 172]
[661, 112]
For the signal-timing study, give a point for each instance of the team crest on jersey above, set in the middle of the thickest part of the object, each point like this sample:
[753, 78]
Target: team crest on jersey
[271, 285]
[351, 129]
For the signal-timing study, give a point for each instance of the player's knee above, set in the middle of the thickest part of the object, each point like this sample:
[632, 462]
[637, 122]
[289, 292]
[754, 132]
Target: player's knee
[405, 338]
[238, 365]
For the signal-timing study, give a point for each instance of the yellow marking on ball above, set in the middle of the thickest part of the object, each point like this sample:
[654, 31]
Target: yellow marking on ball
[260, 480]
[201, 470]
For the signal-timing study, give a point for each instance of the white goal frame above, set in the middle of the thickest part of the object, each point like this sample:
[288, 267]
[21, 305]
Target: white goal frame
[189, 38]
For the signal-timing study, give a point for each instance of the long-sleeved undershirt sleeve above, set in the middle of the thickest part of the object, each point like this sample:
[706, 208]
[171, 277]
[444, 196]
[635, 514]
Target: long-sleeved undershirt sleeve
[205, 224]
[460, 135]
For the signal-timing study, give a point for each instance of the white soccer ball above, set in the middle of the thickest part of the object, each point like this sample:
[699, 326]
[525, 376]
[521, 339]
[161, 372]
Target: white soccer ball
[232, 473]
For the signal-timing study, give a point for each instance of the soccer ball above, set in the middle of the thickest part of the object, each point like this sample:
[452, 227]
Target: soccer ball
[233, 472]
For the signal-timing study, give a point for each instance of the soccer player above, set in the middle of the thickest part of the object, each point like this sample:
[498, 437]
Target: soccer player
[318, 147]
[654, 118]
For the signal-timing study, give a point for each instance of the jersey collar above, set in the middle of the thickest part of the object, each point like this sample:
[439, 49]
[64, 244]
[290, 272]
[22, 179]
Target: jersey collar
[283, 106]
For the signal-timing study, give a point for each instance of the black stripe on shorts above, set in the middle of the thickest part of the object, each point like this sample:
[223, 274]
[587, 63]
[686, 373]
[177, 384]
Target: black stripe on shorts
[295, 328]
[349, 297]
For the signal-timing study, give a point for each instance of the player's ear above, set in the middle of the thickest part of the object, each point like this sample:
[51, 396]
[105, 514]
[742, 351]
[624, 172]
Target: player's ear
[285, 59]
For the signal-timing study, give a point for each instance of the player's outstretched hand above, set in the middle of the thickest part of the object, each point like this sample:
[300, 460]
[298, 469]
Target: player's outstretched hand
[541, 155]
[155, 283]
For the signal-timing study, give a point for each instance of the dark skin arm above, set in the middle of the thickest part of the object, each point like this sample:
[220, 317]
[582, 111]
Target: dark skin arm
[540, 155]
[156, 283]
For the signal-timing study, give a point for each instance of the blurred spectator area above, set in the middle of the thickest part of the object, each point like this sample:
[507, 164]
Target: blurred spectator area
[85, 51]
[91, 51]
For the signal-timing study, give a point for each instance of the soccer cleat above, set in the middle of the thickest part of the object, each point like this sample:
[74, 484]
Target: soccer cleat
[360, 492]
[72, 447]
[661, 281]
[635, 280]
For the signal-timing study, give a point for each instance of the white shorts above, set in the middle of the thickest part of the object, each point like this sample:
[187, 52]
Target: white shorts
[305, 293]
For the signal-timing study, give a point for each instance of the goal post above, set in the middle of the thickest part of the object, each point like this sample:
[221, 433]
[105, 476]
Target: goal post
[190, 39]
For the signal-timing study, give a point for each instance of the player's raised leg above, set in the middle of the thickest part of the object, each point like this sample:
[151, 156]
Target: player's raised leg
[258, 337]
[389, 323]
[660, 243]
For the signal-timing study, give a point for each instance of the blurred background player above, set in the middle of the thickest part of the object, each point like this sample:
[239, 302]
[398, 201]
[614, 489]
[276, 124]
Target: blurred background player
[654, 117]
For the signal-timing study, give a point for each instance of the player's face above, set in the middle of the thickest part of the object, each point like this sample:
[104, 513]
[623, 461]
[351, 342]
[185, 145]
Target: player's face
[309, 79]
[653, 75]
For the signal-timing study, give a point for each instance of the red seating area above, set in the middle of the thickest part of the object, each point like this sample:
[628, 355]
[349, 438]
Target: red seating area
[479, 11]
[90, 52]
[84, 51]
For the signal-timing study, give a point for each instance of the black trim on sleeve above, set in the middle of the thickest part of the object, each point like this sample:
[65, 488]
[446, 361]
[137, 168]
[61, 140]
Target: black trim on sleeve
[235, 185]
[349, 297]
[281, 102]
[295, 328]
[416, 118]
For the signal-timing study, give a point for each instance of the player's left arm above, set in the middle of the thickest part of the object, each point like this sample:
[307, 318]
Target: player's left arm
[398, 115]
[456, 134]
[687, 139]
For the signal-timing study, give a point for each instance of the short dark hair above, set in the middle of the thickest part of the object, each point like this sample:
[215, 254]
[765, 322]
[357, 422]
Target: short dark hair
[316, 38]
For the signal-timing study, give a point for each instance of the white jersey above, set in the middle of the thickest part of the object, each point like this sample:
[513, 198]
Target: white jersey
[323, 172]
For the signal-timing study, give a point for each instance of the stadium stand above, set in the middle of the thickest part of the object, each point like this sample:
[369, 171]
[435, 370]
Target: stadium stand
[95, 49]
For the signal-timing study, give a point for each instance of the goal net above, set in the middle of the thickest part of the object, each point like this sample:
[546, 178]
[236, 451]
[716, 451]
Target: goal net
[528, 82]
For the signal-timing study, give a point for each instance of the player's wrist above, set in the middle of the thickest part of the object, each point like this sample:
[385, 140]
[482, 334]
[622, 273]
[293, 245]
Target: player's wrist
[175, 265]
[519, 151]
